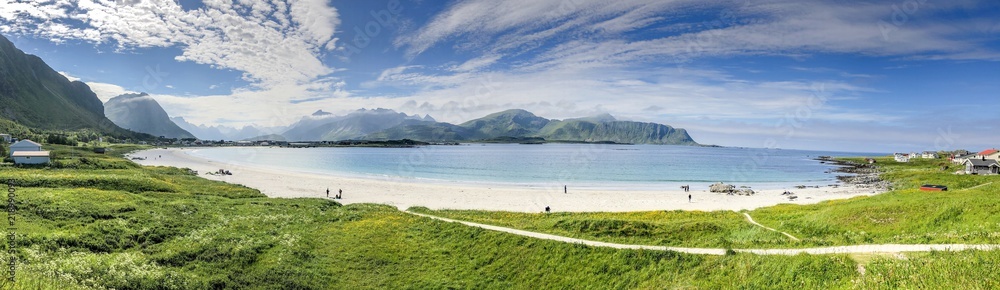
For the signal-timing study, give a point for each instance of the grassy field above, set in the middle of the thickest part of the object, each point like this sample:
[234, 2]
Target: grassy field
[95, 221]
[969, 213]
[723, 229]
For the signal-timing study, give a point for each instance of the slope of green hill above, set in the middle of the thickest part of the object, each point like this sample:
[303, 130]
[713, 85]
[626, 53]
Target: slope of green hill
[36, 96]
[605, 128]
[510, 123]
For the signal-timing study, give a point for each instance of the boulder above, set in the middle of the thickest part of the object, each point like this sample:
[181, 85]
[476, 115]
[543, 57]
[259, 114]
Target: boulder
[722, 188]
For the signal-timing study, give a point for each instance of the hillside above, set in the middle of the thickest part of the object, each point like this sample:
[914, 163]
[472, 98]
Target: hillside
[521, 123]
[596, 130]
[35, 95]
[510, 123]
[141, 113]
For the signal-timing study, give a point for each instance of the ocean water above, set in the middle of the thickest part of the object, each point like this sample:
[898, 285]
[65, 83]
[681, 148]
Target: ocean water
[594, 166]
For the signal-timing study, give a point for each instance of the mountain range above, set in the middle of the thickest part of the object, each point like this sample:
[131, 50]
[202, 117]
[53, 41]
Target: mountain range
[385, 124]
[524, 124]
[220, 132]
[324, 126]
[34, 95]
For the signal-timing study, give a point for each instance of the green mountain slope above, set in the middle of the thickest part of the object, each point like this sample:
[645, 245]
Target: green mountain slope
[141, 113]
[36, 96]
[595, 130]
[510, 123]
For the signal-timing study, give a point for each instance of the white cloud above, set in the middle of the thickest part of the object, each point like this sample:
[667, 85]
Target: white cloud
[738, 28]
[105, 91]
[273, 42]
[69, 77]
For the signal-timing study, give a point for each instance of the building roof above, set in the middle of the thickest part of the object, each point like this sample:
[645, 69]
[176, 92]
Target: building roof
[980, 162]
[30, 154]
[968, 156]
[26, 143]
[988, 152]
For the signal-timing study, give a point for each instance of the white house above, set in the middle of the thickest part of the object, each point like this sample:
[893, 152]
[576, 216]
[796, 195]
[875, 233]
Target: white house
[901, 157]
[930, 155]
[28, 152]
[994, 155]
[24, 145]
[30, 157]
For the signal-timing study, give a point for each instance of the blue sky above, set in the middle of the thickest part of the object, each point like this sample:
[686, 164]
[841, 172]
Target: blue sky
[867, 76]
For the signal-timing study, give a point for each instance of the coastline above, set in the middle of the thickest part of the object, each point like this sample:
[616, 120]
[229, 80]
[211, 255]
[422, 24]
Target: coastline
[278, 183]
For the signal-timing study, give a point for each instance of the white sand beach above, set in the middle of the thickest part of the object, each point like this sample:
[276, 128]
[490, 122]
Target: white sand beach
[284, 184]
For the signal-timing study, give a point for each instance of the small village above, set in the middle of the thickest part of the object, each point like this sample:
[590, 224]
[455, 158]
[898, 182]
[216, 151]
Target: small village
[986, 162]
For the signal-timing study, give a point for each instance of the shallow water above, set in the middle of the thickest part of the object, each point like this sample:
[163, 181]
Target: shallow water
[631, 167]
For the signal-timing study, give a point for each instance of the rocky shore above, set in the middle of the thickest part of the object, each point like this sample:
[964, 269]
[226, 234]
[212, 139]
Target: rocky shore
[862, 175]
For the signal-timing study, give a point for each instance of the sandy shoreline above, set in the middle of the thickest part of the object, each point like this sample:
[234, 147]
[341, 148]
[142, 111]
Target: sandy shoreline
[285, 184]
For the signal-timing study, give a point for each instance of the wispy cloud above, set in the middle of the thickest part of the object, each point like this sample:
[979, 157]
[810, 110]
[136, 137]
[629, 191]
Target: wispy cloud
[274, 42]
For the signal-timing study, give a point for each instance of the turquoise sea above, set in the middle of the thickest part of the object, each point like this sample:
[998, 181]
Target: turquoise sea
[631, 167]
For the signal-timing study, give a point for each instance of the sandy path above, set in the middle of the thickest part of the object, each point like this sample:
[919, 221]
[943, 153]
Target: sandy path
[750, 219]
[286, 184]
[861, 249]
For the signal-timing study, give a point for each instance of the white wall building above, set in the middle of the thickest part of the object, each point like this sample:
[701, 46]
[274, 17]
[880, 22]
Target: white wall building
[28, 152]
[25, 145]
[30, 157]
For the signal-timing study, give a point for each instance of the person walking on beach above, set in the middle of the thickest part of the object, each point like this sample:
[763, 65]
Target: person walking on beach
[340, 192]
[689, 198]
[565, 189]
[327, 192]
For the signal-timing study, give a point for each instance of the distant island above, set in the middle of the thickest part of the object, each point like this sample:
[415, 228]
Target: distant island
[511, 126]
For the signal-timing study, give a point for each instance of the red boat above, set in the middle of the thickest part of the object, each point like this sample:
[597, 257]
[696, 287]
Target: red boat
[929, 187]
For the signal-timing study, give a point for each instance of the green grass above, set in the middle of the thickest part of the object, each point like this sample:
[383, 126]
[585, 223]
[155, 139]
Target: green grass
[963, 214]
[168, 229]
[934, 270]
[723, 229]
[969, 213]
